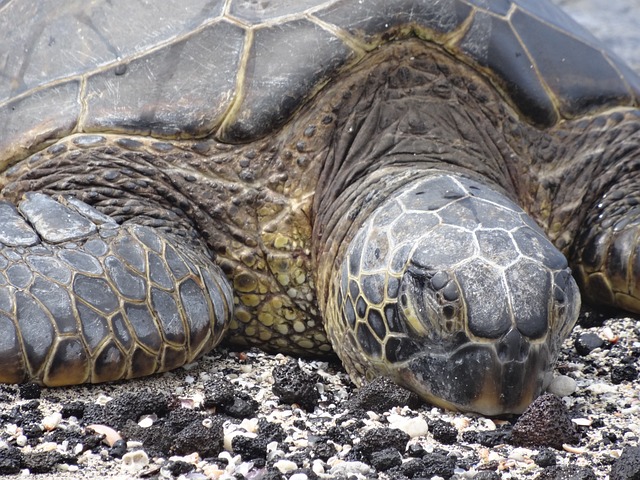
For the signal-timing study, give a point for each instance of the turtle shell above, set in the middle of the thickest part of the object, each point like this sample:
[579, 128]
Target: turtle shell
[238, 70]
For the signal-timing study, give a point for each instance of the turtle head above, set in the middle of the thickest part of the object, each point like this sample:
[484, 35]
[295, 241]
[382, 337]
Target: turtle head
[451, 290]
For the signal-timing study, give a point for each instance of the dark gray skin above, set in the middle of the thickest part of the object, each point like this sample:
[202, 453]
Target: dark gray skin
[407, 207]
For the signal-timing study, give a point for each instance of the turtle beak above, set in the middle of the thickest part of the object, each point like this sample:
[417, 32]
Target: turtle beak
[491, 378]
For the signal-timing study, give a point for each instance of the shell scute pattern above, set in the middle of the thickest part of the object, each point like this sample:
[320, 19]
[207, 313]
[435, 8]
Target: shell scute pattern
[163, 78]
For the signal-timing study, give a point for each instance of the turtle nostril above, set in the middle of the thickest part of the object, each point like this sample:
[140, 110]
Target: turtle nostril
[513, 347]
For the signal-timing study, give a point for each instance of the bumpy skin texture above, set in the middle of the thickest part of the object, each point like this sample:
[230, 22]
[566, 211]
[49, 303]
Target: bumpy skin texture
[270, 166]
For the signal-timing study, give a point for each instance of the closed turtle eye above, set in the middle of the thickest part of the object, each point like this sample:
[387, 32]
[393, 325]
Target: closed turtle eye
[430, 301]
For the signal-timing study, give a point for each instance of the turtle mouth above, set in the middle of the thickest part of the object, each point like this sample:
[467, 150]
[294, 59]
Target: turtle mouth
[478, 378]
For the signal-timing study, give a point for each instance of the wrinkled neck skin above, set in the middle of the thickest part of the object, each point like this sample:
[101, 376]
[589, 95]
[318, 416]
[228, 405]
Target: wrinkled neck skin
[429, 273]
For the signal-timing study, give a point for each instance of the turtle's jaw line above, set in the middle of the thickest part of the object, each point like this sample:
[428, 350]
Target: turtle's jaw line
[480, 383]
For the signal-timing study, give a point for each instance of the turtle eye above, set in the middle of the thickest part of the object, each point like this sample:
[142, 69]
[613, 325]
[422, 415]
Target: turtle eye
[430, 301]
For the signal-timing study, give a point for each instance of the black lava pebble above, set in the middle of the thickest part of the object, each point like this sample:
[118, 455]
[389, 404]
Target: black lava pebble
[545, 458]
[587, 342]
[439, 464]
[156, 439]
[243, 407]
[323, 450]
[416, 450]
[178, 467]
[74, 436]
[443, 432]
[45, 462]
[222, 395]
[72, 409]
[272, 432]
[429, 466]
[182, 432]
[181, 418]
[484, 475]
[623, 373]
[379, 439]
[10, 460]
[385, 459]
[571, 472]
[339, 435]
[272, 474]
[128, 406]
[545, 423]
[196, 437]
[30, 391]
[413, 468]
[292, 385]
[248, 447]
[381, 395]
[627, 467]
[488, 438]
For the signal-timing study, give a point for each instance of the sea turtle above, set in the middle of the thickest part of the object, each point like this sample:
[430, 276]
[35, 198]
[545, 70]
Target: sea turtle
[398, 182]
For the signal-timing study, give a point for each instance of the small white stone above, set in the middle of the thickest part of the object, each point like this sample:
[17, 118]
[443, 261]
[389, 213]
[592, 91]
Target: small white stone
[133, 462]
[562, 386]
[298, 476]
[22, 440]
[52, 421]
[103, 399]
[249, 425]
[583, 422]
[147, 420]
[373, 415]
[212, 471]
[600, 388]
[494, 457]
[317, 467]
[571, 449]
[520, 454]
[414, 427]
[608, 334]
[46, 447]
[485, 424]
[243, 469]
[346, 469]
[11, 429]
[285, 466]
[463, 422]
[633, 410]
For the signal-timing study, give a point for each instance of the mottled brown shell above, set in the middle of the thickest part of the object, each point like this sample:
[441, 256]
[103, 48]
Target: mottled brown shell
[237, 70]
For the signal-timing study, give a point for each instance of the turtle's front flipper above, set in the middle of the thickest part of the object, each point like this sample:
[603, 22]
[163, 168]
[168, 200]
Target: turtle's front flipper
[83, 299]
[606, 254]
